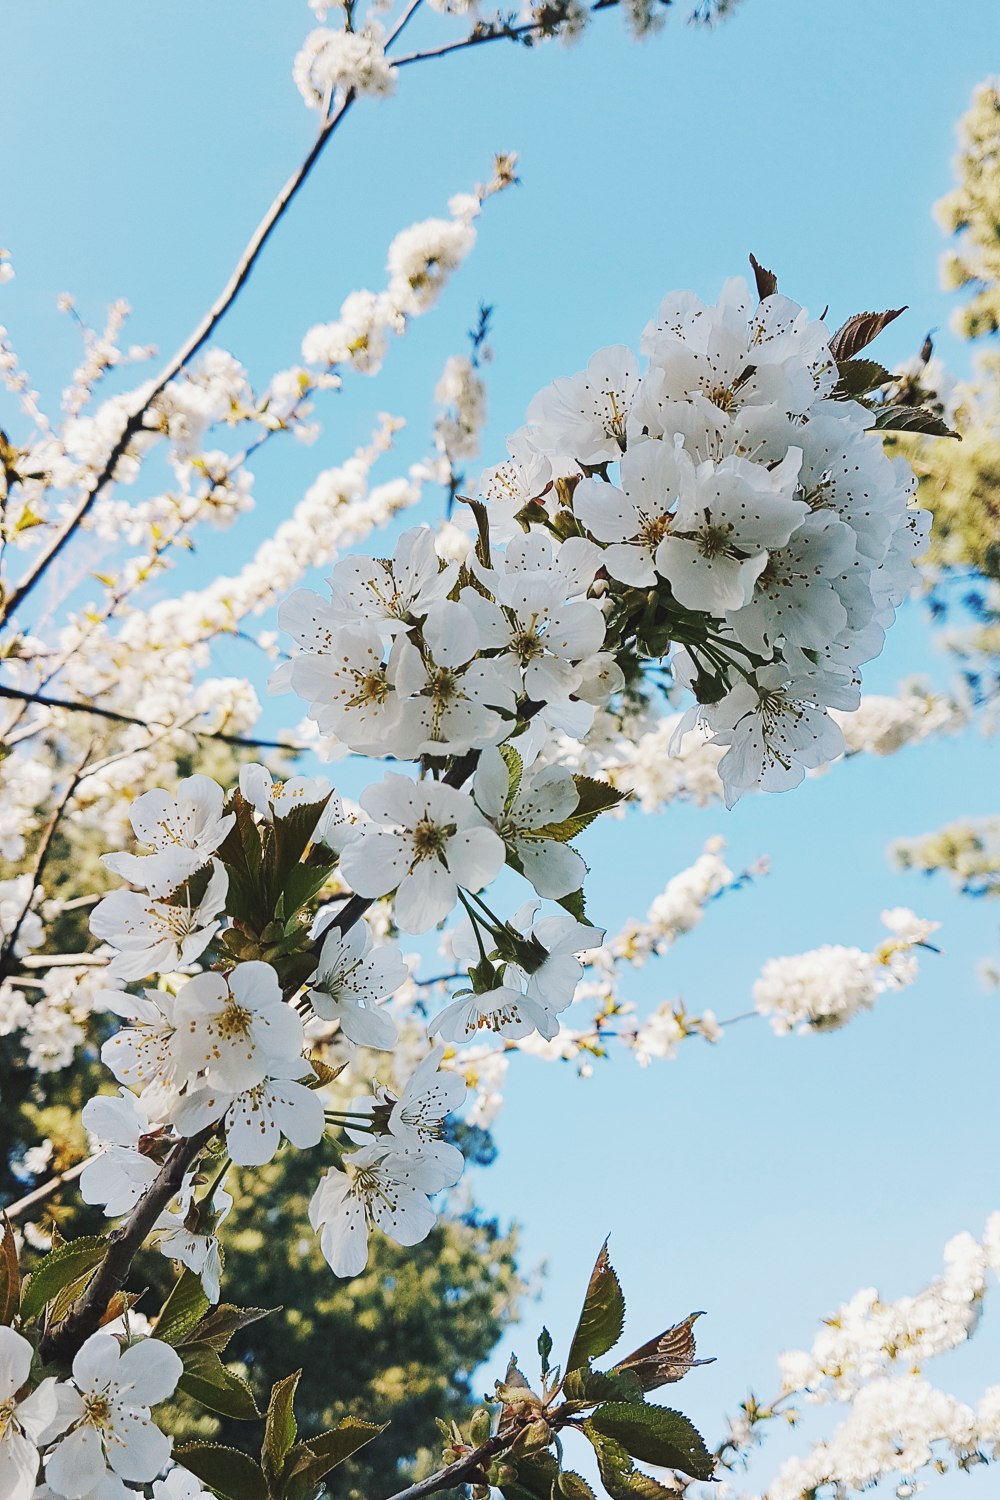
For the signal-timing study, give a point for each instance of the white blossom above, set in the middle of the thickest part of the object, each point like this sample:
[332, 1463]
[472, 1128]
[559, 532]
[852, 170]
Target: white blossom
[351, 978]
[22, 1422]
[381, 1187]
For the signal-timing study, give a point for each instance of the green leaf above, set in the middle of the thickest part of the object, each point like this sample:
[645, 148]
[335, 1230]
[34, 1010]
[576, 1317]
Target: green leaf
[58, 1269]
[10, 1276]
[61, 1305]
[536, 1475]
[619, 1476]
[243, 899]
[279, 1434]
[858, 332]
[612, 1385]
[227, 1471]
[241, 848]
[307, 1462]
[208, 1381]
[574, 1486]
[595, 797]
[858, 376]
[655, 1435]
[184, 1308]
[545, 1349]
[302, 884]
[574, 904]
[290, 837]
[218, 1327]
[515, 768]
[913, 419]
[603, 1316]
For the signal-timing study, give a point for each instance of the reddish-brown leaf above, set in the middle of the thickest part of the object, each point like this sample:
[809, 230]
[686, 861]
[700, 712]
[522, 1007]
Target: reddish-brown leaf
[767, 282]
[858, 332]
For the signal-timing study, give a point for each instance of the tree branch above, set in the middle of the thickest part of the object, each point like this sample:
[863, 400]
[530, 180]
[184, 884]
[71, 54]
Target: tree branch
[216, 312]
[464, 1470]
[61, 1343]
[46, 1189]
[108, 713]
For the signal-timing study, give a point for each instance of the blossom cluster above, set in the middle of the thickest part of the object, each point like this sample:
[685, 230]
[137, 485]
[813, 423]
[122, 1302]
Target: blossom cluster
[824, 989]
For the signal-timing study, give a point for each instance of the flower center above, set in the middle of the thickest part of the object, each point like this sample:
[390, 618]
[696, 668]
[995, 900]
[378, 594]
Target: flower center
[371, 688]
[653, 529]
[713, 541]
[722, 396]
[7, 1417]
[614, 424]
[431, 839]
[235, 1021]
[527, 645]
[442, 687]
[97, 1410]
[180, 920]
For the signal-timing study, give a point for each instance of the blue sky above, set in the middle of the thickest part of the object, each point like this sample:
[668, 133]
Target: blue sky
[764, 1180]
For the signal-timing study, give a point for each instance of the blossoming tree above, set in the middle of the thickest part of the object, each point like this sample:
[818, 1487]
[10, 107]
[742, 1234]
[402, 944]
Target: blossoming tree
[711, 507]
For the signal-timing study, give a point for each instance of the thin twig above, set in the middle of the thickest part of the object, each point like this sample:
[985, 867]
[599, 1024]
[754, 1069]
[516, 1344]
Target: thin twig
[464, 1470]
[41, 855]
[39, 1194]
[188, 349]
[108, 713]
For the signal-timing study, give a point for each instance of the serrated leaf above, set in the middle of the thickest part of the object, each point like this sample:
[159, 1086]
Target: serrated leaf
[574, 904]
[227, 1471]
[574, 1486]
[536, 1475]
[655, 1435]
[10, 1276]
[325, 1452]
[612, 1385]
[58, 1269]
[61, 1305]
[482, 516]
[859, 376]
[241, 848]
[218, 1327]
[594, 797]
[208, 1381]
[290, 837]
[767, 282]
[184, 1308]
[858, 332]
[913, 419]
[515, 769]
[121, 1303]
[302, 884]
[603, 1315]
[280, 1431]
[619, 1475]
[545, 1349]
[666, 1358]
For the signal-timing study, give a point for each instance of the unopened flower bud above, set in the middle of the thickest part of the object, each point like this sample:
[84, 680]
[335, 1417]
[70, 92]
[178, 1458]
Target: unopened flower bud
[535, 1435]
[481, 1426]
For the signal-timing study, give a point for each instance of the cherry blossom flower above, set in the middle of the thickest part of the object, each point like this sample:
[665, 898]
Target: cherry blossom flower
[109, 1409]
[730, 514]
[345, 683]
[508, 487]
[257, 1117]
[635, 518]
[520, 818]
[351, 978]
[158, 936]
[426, 840]
[22, 1422]
[416, 1119]
[121, 1174]
[145, 1054]
[184, 831]
[276, 799]
[796, 597]
[381, 1187]
[585, 415]
[194, 1248]
[446, 698]
[180, 1484]
[234, 1027]
[392, 594]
